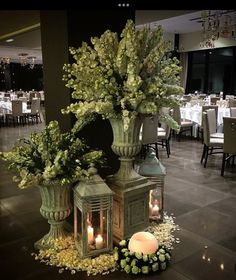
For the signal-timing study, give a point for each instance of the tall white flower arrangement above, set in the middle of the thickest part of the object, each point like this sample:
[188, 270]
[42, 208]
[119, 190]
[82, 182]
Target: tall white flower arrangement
[122, 77]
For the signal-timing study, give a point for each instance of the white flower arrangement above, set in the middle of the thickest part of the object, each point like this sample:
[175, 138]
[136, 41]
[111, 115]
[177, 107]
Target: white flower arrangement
[122, 77]
[51, 156]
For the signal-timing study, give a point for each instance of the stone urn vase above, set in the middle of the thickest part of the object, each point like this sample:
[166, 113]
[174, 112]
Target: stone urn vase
[56, 207]
[126, 144]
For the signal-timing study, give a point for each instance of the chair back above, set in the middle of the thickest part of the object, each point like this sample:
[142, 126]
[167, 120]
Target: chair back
[207, 107]
[177, 115]
[187, 98]
[211, 115]
[205, 125]
[35, 106]
[229, 135]
[214, 100]
[24, 99]
[202, 96]
[165, 126]
[31, 95]
[233, 112]
[17, 109]
[149, 130]
[232, 102]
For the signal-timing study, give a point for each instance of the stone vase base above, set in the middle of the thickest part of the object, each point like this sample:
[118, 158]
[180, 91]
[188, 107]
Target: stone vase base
[56, 232]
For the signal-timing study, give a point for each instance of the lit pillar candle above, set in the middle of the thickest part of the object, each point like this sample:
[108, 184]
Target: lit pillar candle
[155, 210]
[99, 242]
[90, 235]
[143, 242]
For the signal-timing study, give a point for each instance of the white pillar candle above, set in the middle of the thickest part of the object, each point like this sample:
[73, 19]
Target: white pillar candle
[90, 235]
[99, 242]
[143, 242]
[155, 210]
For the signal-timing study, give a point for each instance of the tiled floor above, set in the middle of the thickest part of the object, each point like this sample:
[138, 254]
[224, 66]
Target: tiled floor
[203, 202]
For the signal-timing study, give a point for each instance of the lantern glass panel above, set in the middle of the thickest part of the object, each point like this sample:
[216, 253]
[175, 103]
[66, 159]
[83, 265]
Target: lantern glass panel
[156, 204]
[97, 230]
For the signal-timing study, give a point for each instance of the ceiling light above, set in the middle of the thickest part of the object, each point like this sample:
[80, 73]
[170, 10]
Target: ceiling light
[10, 40]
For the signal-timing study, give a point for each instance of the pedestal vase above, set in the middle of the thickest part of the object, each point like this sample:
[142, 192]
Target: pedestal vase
[56, 207]
[126, 144]
[131, 190]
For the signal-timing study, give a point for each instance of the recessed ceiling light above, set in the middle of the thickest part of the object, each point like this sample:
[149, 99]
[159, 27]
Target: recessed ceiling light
[9, 40]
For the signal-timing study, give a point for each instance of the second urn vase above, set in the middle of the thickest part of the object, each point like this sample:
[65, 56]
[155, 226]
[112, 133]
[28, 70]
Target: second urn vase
[56, 207]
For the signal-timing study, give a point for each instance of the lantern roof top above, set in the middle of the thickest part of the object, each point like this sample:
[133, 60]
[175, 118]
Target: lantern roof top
[151, 166]
[95, 186]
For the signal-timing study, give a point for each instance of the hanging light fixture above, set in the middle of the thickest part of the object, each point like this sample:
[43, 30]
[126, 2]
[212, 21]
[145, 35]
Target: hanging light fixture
[31, 61]
[4, 61]
[23, 58]
[216, 24]
[210, 25]
[27, 60]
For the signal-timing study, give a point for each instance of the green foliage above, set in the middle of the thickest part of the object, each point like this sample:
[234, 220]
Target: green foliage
[49, 156]
[113, 76]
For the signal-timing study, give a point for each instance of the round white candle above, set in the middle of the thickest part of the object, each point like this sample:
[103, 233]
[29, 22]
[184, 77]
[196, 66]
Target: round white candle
[143, 242]
[155, 210]
[90, 235]
[99, 242]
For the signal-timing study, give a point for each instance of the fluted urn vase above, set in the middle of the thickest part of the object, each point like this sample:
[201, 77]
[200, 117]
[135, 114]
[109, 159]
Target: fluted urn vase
[126, 144]
[56, 207]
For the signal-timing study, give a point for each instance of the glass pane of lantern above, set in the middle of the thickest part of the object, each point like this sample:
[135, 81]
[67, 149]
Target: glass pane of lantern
[97, 230]
[155, 204]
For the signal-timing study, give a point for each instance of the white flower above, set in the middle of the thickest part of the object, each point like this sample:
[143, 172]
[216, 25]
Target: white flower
[51, 155]
[132, 74]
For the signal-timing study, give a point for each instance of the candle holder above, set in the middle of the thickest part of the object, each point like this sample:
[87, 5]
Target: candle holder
[152, 168]
[93, 216]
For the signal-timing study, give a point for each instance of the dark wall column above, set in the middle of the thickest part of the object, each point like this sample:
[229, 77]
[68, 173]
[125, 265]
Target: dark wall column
[61, 29]
[54, 37]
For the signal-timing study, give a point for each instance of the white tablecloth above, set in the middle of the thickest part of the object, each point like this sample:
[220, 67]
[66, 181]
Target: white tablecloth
[6, 107]
[195, 114]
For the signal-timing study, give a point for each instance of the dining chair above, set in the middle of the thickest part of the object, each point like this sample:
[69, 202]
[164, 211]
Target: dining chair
[211, 145]
[200, 127]
[16, 116]
[184, 124]
[211, 115]
[164, 132]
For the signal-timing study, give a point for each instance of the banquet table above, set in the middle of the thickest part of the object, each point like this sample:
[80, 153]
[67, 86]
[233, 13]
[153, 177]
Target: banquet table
[6, 107]
[195, 114]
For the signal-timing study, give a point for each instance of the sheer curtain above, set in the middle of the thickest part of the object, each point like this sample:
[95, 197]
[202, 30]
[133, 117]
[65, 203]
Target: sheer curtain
[184, 73]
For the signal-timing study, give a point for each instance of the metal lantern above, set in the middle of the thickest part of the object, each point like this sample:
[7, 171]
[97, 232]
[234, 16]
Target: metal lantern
[93, 216]
[152, 168]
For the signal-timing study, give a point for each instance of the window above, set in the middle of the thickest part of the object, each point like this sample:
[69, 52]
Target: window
[212, 71]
